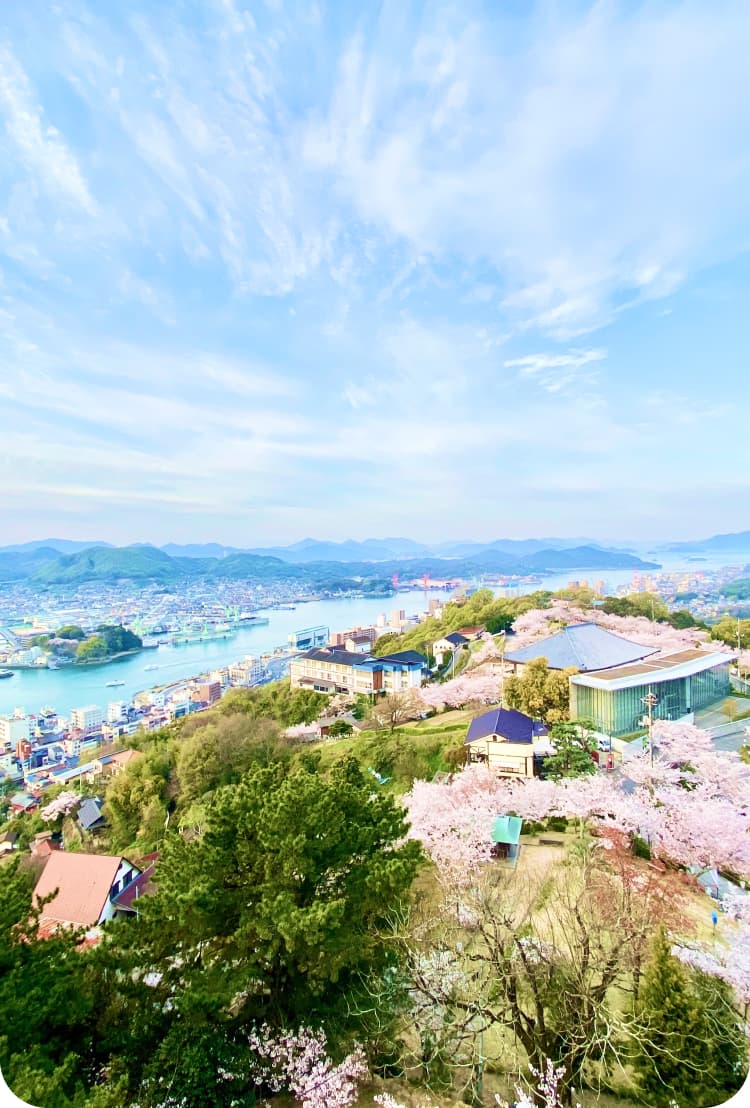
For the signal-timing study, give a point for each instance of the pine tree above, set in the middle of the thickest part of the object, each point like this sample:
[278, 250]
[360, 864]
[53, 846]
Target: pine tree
[673, 1059]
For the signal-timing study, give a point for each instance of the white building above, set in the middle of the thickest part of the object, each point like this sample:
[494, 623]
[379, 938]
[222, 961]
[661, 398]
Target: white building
[115, 711]
[14, 729]
[246, 672]
[88, 719]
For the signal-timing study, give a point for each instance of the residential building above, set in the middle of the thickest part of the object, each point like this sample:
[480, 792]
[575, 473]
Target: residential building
[207, 692]
[89, 815]
[332, 670]
[582, 646]
[449, 644]
[87, 886]
[247, 672]
[356, 639]
[23, 802]
[509, 742]
[88, 720]
[471, 634]
[14, 729]
[116, 711]
[682, 684]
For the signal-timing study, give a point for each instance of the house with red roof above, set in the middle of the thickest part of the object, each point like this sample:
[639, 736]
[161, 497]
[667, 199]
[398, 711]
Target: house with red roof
[85, 888]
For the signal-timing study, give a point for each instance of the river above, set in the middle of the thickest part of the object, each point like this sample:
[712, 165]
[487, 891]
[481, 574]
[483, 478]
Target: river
[75, 686]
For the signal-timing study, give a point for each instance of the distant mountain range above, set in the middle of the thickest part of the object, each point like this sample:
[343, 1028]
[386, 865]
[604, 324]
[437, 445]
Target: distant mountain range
[736, 543]
[313, 562]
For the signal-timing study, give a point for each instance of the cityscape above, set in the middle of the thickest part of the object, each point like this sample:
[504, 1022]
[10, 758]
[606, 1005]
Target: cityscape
[374, 554]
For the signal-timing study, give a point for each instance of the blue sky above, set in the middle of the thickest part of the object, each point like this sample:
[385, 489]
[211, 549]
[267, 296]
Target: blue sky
[278, 269]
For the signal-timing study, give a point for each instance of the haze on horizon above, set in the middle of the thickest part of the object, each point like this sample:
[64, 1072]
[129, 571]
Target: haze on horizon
[434, 270]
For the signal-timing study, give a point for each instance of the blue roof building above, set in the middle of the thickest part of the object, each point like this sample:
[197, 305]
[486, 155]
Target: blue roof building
[505, 740]
[582, 646]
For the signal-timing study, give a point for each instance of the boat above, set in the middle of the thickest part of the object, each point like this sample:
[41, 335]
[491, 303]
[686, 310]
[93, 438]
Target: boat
[111, 684]
[6, 673]
[149, 667]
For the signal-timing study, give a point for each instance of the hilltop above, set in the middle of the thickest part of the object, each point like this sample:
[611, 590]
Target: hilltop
[141, 562]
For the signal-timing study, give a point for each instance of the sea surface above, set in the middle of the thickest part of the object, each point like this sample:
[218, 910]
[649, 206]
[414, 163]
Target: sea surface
[76, 686]
[73, 687]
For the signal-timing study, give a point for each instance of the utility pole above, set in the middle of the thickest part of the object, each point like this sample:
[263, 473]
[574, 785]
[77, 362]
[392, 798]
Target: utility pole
[650, 700]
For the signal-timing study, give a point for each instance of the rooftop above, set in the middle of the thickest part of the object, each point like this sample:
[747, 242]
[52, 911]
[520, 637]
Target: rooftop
[583, 646]
[506, 723]
[83, 882]
[685, 664]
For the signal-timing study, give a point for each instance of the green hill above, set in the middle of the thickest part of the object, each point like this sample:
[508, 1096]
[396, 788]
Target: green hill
[133, 563]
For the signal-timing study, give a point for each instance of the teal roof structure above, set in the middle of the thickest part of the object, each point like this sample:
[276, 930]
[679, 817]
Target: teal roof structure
[507, 829]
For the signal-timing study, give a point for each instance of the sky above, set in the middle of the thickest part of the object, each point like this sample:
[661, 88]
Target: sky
[270, 269]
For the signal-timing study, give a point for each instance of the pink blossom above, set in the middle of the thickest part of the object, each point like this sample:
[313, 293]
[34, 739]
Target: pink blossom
[298, 1061]
[692, 804]
[62, 805]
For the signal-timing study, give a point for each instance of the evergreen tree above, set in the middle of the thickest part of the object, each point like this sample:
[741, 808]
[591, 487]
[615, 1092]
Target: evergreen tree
[574, 746]
[274, 915]
[675, 1056]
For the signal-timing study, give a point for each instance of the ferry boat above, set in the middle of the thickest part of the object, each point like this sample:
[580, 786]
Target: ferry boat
[6, 673]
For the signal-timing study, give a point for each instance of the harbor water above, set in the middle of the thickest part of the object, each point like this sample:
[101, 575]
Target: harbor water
[75, 686]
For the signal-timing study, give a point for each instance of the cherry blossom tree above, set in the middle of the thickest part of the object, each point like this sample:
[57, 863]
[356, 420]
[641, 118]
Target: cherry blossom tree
[488, 652]
[469, 688]
[62, 805]
[691, 803]
[299, 1061]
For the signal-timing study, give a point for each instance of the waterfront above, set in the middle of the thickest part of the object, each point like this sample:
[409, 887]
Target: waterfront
[72, 687]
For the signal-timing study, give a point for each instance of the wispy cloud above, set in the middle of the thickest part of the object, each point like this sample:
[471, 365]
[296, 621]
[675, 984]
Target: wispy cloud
[255, 257]
[554, 372]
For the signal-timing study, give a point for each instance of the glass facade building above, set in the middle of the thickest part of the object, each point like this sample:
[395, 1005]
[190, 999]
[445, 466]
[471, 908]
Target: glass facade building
[683, 683]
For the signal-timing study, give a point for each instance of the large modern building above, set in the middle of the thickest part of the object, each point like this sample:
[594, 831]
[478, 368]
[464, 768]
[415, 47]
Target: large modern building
[613, 699]
[342, 671]
[581, 646]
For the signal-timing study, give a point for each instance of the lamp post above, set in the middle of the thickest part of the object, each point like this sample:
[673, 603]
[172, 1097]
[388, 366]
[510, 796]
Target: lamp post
[650, 700]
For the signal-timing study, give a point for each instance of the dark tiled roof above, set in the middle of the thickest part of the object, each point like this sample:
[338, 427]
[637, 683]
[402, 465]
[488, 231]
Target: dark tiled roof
[406, 657]
[508, 724]
[582, 646]
[89, 814]
[335, 656]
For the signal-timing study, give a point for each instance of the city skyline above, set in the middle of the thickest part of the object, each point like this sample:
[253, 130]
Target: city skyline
[270, 271]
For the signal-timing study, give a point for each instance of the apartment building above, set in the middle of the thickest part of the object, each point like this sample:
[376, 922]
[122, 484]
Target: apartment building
[332, 670]
[88, 720]
[13, 729]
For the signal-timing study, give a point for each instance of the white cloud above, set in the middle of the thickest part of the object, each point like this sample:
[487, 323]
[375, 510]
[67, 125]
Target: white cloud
[582, 165]
[554, 372]
[39, 145]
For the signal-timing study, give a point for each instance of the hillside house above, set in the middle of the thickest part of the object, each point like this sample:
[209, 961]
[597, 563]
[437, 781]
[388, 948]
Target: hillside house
[87, 886]
[507, 741]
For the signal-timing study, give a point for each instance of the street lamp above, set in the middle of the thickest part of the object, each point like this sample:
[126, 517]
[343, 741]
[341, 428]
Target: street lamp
[650, 700]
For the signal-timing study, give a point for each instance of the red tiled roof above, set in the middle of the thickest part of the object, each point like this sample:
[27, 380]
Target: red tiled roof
[83, 882]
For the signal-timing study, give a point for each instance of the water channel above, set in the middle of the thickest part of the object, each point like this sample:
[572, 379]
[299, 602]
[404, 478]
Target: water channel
[73, 687]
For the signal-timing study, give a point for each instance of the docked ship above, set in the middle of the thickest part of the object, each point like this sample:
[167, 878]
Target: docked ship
[6, 673]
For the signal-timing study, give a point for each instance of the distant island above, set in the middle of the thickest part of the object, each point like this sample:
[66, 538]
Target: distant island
[71, 645]
[357, 565]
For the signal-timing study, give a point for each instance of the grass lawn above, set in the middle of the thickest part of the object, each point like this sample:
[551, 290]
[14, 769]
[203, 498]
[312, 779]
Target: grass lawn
[412, 750]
